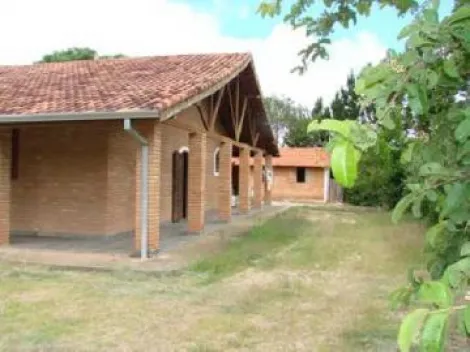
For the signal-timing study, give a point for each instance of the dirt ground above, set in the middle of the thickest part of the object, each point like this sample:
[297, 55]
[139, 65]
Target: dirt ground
[307, 280]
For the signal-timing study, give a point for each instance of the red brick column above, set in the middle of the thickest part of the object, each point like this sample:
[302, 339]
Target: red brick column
[197, 181]
[268, 188]
[5, 186]
[225, 181]
[258, 179]
[152, 131]
[244, 180]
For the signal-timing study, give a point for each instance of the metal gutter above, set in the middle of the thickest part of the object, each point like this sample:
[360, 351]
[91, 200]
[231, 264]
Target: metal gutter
[80, 116]
[144, 197]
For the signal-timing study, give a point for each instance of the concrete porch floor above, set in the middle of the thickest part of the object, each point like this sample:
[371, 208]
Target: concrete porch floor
[114, 251]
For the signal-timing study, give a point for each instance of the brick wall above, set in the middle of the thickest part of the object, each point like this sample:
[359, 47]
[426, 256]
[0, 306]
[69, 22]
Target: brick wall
[285, 184]
[121, 183]
[79, 178]
[174, 138]
[61, 186]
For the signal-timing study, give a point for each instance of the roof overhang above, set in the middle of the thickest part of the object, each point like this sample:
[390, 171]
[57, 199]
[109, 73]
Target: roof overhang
[80, 116]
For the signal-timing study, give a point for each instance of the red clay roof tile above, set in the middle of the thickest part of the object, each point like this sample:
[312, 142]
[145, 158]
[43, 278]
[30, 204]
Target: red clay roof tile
[150, 83]
[303, 157]
[298, 157]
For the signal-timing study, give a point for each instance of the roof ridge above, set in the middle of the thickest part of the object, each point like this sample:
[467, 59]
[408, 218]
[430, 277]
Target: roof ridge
[129, 58]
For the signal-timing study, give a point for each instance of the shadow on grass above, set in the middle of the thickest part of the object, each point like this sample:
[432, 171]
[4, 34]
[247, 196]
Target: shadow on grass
[251, 248]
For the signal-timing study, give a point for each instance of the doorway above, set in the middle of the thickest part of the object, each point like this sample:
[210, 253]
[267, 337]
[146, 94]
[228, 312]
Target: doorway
[180, 185]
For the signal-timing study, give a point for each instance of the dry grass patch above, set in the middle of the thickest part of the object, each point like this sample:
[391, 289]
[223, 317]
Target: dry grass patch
[306, 280]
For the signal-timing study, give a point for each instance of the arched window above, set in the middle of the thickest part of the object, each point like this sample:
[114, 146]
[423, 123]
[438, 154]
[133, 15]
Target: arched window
[216, 161]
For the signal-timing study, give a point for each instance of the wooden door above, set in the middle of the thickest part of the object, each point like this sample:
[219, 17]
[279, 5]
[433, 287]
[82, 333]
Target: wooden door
[178, 187]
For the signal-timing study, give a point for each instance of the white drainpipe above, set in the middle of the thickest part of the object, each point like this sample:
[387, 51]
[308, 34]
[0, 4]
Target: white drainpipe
[326, 184]
[143, 187]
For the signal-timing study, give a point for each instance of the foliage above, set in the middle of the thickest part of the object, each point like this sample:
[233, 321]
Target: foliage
[73, 54]
[289, 122]
[345, 105]
[426, 89]
[382, 176]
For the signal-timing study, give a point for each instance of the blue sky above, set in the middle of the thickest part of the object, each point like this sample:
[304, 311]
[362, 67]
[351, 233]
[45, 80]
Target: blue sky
[167, 27]
[238, 18]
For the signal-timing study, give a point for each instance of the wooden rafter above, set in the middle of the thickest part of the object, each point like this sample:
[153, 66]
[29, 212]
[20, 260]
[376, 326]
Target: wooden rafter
[215, 109]
[232, 112]
[203, 116]
[255, 140]
[241, 119]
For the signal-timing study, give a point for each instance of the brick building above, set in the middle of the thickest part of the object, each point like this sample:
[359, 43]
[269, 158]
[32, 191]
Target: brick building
[301, 174]
[112, 146]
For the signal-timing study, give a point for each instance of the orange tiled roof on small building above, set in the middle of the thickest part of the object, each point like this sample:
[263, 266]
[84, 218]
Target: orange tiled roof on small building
[298, 157]
[302, 157]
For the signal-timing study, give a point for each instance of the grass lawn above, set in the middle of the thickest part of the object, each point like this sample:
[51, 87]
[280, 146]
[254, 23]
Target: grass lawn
[310, 279]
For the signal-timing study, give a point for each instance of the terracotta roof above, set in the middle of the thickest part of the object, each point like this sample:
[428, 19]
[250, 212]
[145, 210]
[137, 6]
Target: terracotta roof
[298, 157]
[308, 157]
[151, 83]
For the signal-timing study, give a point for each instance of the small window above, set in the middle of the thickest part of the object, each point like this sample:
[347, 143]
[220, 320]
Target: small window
[216, 161]
[15, 153]
[301, 174]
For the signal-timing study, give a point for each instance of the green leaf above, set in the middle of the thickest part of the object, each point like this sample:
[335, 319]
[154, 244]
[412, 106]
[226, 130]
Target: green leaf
[462, 14]
[435, 292]
[455, 196]
[450, 69]
[431, 168]
[432, 195]
[465, 250]
[464, 150]
[434, 332]
[416, 98]
[457, 274]
[407, 30]
[402, 206]
[432, 78]
[344, 163]
[431, 16]
[416, 208]
[360, 87]
[410, 327]
[463, 130]
[407, 154]
[341, 127]
[466, 318]
[433, 233]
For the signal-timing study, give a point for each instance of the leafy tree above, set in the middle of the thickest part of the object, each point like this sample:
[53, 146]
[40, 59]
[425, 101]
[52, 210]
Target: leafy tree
[70, 54]
[345, 105]
[289, 122]
[73, 54]
[279, 111]
[422, 84]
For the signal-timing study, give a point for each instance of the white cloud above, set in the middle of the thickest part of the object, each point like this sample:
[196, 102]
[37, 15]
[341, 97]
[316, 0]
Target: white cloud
[31, 28]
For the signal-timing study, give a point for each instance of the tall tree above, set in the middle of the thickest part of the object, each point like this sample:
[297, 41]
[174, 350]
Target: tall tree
[279, 111]
[70, 54]
[73, 54]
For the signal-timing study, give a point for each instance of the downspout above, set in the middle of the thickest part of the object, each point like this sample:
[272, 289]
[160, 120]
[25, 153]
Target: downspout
[143, 186]
[326, 184]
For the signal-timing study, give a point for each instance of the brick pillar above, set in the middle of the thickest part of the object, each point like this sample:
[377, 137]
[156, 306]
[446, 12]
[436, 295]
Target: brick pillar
[244, 180]
[225, 181]
[152, 131]
[268, 187]
[258, 179]
[5, 186]
[197, 181]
